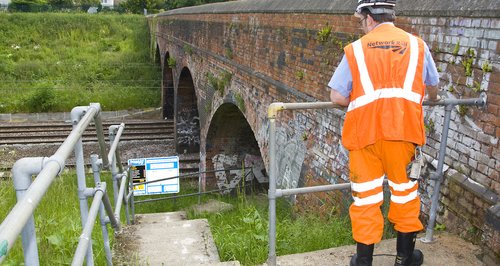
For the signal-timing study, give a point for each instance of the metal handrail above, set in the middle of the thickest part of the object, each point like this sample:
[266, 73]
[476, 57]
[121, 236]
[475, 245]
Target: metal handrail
[276, 107]
[191, 194]
[20, 218]
[86, 235]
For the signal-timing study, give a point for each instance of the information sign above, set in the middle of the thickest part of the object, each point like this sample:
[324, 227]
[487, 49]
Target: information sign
[151, 169]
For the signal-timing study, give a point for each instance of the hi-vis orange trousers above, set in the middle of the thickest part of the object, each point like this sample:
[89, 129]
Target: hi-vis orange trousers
[368, 167]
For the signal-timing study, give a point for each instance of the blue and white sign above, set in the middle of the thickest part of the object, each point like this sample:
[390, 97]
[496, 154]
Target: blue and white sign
[151, 169]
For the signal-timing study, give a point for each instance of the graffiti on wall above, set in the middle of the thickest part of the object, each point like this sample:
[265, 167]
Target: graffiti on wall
[290, 155]
[239, 168]
[188, 128]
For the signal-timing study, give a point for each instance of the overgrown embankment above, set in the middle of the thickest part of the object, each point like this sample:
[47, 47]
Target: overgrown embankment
[55, 61]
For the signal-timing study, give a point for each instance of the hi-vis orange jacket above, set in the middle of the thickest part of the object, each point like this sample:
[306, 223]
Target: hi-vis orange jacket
[387, 89]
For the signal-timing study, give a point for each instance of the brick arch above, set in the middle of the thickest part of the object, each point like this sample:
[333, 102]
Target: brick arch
[167, 92]
[187, 119]
[230, 141]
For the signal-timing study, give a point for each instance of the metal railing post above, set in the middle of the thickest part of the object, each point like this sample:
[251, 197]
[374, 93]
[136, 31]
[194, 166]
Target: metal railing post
[272, 112]
[96, 169]
[121, 193]
[115, 132]
[199, 189]
[22, 171]
[112, 163]
[100, 136]
[130, 197]
[86, 236]
[76, 115]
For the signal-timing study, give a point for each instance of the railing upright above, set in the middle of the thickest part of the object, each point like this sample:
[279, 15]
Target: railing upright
[115, 133]
[96, 170]
[76, 114]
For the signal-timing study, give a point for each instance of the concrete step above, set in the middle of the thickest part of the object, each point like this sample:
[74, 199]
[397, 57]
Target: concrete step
[169, 239]
[446, 250]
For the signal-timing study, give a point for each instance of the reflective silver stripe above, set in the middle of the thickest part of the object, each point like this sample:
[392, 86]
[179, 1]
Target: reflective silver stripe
[366, 82]
[371, 94]
[412, 66]
[384, 93]
[365, 186]
[404, 199]
[403, 186]
[369, 200]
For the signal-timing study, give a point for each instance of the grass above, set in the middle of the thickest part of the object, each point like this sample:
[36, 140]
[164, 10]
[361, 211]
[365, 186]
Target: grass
[57, 222]
[67, 60]
[240, 234]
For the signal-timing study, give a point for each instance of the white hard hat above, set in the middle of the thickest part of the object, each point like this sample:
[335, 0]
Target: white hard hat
[376, 6]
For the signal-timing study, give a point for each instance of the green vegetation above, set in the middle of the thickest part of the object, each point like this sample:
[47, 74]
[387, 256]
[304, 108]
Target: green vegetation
[242, 233]
[66, 60]
[299, 74]
[171, 62]
[228, 52]
[324, 33]
[486, 67]
[468, 61]
[240, 102]
[456, 49]
[219, 84]
[188, 49]
[57, 222]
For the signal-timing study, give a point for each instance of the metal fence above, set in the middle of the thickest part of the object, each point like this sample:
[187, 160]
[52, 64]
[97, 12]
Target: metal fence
[20, 219]
[274, 193]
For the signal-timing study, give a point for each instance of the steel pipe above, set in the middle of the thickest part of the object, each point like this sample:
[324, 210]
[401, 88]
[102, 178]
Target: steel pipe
[116, 139]
[121, 193]
[22, 171]
[100, 136]
[304, 190]
[76, 115]
[86, 236]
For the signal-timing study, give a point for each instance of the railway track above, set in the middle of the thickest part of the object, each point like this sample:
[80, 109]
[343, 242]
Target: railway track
[57, 132]
[137, 133]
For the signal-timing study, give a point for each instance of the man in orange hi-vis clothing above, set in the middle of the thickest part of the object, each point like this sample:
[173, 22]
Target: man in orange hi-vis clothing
[382, 79]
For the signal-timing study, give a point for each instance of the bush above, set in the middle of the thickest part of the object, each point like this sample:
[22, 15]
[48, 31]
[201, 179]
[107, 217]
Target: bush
[42, 100]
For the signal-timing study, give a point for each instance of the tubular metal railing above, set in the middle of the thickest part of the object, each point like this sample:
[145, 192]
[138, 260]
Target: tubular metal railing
[274, 193]
[20, 219]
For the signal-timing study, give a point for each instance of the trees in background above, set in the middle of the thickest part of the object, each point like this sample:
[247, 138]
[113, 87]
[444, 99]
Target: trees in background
[153, 6]
[51, 5]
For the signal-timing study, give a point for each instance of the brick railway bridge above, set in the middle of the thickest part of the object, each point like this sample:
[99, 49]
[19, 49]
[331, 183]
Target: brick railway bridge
[224, 63]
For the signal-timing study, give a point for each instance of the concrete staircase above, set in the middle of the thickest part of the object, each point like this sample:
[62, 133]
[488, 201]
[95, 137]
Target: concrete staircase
[170, 239]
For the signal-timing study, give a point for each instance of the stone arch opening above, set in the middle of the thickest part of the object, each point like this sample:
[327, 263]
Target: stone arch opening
[231, 144]
[167, 95]
[187, 117]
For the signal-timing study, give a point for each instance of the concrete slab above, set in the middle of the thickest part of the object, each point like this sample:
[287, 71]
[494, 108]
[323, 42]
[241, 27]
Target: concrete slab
[168, 239]
[212, 206]
[447, 250]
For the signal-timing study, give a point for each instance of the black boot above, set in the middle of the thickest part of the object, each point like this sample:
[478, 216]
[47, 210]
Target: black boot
[363, 256]
[406, 252]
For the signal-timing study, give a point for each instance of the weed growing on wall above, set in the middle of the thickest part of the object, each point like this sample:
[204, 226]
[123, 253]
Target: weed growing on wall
[323, 34]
